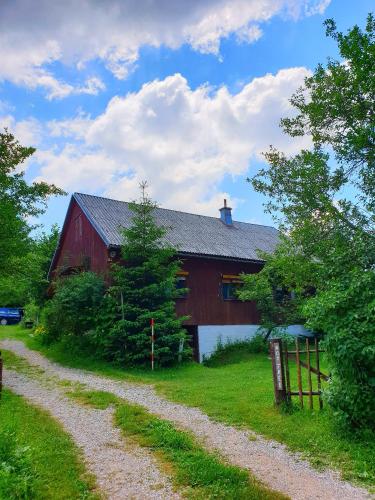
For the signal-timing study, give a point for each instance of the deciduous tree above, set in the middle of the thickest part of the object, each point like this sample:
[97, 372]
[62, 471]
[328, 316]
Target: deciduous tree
[324, 201]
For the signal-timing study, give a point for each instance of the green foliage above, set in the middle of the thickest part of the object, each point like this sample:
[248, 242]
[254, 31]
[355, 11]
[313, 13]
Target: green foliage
[28, 279]
[193, 467]
[37, 458]
[324, 199]
[277, 289]
[97, 399]
[346, 313]
[74, 308]
[31, 314]
[17, 479]
[143, 288]
[18, 201]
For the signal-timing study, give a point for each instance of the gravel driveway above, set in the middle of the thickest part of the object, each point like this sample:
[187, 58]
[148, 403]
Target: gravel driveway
[122, 471]
[269, 461]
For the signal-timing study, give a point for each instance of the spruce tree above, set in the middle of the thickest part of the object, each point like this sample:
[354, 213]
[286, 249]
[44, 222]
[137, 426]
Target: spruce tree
[144, 287]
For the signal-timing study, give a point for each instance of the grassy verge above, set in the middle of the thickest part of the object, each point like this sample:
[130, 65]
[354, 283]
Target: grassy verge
[37, 458]
[198, 473]
[240, 392]
[14, 362]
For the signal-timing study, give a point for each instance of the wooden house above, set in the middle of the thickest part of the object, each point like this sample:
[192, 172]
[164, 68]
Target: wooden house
[214, 252]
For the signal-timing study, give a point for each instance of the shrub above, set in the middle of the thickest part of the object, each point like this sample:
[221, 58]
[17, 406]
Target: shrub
[73, 310]
[346, 313]
[31, 314]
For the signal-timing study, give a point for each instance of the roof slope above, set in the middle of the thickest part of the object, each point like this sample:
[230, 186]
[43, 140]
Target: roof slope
[189, 233]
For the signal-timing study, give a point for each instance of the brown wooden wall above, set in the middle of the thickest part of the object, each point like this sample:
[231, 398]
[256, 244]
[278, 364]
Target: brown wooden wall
[80, 240]
[204, 303]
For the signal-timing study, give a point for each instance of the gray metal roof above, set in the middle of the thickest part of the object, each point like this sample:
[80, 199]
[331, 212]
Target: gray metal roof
[189, 233]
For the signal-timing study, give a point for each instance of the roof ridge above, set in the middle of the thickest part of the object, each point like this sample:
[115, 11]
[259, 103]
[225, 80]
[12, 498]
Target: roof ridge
[173, 210]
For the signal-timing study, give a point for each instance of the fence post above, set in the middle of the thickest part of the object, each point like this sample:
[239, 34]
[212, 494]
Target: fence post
[287, 372]
[311, 404]
[276, 351]
[318, 372]
[299, 376]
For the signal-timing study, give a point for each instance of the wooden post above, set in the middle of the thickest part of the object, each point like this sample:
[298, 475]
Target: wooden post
[287, 373]
[318, 372]
[311, 405]
[299, 374]
[278, 370]
[1, 374]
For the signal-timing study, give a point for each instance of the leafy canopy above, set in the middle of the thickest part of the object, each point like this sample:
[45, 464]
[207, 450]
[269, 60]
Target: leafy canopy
[324, 201]
[18, 201]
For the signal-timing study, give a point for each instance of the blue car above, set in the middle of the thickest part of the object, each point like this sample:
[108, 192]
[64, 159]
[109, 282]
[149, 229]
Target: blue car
[10, 315]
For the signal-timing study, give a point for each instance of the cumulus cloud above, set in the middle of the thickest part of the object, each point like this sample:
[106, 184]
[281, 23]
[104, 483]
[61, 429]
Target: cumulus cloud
[28, 132]
[36, 35]
[183, 141]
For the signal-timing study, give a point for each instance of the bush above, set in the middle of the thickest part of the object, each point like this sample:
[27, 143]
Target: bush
[346, 313]
[73, 310]
[16, 474]
[31, 314]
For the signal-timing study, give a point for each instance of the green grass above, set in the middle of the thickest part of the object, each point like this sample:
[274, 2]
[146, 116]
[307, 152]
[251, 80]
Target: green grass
[200, 474]
[240, 392]
[37, 458]
[14, 362]
[97, 399]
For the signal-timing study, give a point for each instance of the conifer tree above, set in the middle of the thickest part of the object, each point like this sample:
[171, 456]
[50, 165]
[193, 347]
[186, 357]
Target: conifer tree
[144, 287]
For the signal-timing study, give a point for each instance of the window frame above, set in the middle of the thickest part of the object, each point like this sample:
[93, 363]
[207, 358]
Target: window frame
[232, 280]
[182, 276]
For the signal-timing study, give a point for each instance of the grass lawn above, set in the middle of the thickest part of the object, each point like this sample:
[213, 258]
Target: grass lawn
[240, 392]
[37, 458]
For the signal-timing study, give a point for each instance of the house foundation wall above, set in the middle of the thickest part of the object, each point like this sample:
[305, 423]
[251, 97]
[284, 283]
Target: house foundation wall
[209, 336]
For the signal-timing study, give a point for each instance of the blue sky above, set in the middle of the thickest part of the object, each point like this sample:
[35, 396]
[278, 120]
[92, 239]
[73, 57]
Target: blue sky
[185, 95]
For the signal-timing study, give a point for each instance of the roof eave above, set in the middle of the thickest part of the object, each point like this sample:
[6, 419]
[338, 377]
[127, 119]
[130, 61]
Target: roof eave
[207, 256]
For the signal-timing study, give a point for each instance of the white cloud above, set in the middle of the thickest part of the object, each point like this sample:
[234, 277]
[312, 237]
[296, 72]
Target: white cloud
[183, 141]
[28, 132]
[36, 35]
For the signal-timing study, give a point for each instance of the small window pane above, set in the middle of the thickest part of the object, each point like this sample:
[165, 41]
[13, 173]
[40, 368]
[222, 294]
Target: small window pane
[180, 285]
[229, 291]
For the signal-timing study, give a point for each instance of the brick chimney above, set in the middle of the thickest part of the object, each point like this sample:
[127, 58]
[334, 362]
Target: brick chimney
[226, 214]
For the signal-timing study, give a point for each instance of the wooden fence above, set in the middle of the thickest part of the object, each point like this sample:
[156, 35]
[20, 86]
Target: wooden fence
[281, 356]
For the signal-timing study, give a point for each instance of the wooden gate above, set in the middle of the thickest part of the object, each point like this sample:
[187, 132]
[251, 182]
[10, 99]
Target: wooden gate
[281, 356]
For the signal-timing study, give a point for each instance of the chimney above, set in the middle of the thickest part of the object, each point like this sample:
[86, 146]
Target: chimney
[226, 214]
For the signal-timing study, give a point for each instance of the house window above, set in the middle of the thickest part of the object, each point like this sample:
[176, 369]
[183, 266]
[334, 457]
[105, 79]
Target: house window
[181, 283]
[229, 286]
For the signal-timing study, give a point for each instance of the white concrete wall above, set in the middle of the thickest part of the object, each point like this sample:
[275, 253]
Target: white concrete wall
[210, 335]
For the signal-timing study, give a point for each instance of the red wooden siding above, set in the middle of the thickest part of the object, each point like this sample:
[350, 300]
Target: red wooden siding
[79, 241]
[204, 303]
